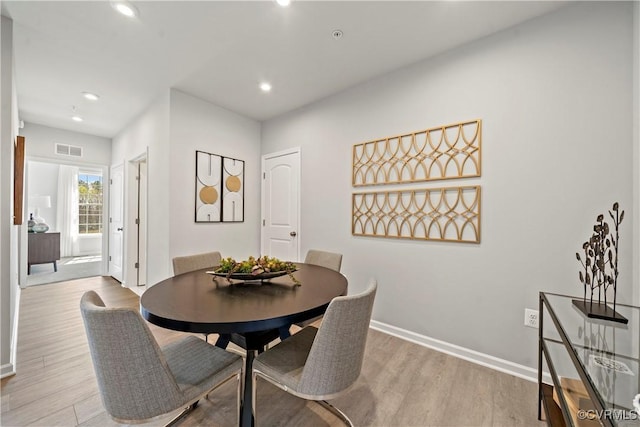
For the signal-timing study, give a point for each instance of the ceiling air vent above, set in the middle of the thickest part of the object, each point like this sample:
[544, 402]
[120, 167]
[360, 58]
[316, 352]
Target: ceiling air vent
[68, 150]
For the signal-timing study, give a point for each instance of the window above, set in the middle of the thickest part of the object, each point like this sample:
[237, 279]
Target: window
[89, 203]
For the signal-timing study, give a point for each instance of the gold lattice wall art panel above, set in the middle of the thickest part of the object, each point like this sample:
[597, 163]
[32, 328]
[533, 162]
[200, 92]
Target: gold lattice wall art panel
[445, 152]
[446, 214]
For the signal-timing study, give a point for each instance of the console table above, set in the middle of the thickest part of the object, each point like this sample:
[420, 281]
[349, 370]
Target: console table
[43, 249]
[594, 365]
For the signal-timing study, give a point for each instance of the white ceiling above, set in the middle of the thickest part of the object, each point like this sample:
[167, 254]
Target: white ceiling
[221, 50]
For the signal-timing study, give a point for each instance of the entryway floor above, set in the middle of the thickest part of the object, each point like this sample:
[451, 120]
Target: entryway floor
[69, 268]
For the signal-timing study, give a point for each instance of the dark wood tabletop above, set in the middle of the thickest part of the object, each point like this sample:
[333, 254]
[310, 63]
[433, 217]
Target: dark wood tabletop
[198, 302]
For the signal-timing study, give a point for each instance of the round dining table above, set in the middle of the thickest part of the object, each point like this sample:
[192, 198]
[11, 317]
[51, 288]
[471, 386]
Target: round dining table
[249, 311]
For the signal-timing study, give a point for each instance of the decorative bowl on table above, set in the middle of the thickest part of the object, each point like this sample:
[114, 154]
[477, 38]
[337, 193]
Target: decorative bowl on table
[254, 269]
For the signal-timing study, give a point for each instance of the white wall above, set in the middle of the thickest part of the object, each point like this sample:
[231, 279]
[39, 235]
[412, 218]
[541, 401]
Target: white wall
[42, 180]
[43, 164]
[555, 98]
[90, 244]
[149, 133]
[170, 131]
[9, 243]
[200, 125]
[40, 143]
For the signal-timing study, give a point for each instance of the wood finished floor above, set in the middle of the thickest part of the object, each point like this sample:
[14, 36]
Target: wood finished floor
[402, 384]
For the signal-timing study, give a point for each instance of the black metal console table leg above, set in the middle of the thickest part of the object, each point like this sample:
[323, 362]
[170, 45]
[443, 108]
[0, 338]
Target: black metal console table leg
[540, 394]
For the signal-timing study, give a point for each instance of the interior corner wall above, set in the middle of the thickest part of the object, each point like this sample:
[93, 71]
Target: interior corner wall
[149, 133]
[200, 125]
[555, 97]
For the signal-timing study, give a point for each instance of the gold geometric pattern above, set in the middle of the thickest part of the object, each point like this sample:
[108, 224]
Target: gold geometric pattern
[451, 151]
[445, 214]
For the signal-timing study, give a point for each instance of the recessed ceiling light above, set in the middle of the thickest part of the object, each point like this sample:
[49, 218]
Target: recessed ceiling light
[283, 3]
[125, 8]
[265, 87]
[76, 118]
[336, 34]
[90, 96]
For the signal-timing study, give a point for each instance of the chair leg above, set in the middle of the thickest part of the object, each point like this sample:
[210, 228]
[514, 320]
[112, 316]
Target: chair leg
[284, 333]
[223, 341]
[239, 396]
[181, 415]
[254, 397]
[239, 377]
[337, 412]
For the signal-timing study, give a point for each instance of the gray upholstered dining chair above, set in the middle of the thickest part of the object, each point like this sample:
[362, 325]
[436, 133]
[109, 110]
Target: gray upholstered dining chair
[138, 380]
[185, 264]
[320, 364]
[325, 259]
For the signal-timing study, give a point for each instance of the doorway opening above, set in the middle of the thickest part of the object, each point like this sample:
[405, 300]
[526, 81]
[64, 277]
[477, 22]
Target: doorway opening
[70, 201]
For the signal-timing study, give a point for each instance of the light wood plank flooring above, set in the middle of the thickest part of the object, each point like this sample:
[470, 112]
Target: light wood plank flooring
[402, 384]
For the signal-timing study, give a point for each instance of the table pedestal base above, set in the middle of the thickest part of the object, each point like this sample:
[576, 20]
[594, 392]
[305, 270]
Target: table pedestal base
[253, 343]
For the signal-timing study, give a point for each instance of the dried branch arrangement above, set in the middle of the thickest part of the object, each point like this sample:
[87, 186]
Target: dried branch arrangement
[256, 268]
[600, 264]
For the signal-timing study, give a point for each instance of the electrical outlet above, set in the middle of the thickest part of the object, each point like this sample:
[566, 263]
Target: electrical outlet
[530, 318]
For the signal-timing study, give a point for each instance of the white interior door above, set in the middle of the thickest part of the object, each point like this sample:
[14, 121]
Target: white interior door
[281, 204]
[116, 222]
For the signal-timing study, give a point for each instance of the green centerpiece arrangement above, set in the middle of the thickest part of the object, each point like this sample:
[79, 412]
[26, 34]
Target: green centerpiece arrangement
[255, 269]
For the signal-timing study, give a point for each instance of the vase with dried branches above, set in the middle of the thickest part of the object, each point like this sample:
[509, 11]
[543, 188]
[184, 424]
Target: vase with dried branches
[600, 268]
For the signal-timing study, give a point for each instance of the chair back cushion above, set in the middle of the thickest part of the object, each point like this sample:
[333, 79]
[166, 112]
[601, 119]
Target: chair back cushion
[133, 376]
[335, 358]
[324, 259]
[185, 264]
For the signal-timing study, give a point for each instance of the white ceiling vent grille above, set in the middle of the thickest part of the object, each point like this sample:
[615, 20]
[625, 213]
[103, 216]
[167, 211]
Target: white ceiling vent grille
[68, 150]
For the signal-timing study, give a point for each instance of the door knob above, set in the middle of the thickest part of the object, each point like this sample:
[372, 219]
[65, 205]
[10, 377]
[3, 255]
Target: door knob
[293, 234]
[119, 229]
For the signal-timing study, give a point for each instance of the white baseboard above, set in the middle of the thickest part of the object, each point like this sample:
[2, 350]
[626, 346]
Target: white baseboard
[515, 369]
[9, 369]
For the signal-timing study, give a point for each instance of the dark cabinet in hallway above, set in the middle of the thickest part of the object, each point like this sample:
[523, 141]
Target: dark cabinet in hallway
[44, 248]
